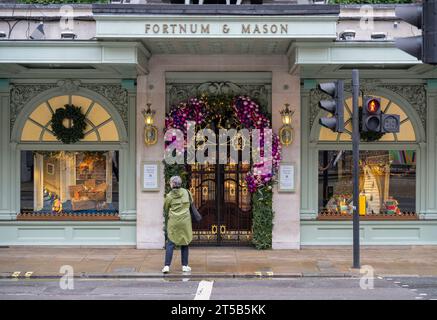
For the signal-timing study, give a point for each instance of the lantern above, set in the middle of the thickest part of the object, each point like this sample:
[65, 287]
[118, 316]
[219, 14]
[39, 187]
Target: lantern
[150, 131]
[286, 133]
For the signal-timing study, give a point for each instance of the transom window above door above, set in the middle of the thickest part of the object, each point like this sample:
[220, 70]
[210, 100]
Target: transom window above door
[406, 132]
[100, 125]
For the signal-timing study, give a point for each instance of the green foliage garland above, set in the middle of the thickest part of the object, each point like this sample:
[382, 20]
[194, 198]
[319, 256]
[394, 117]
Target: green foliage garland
[262, 201]
[76, 132]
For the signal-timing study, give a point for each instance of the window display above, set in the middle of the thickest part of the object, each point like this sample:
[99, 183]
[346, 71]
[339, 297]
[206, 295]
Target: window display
[69, 183]
[387, 184]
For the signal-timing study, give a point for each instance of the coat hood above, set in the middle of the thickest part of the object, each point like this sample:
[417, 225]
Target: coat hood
[177, 193]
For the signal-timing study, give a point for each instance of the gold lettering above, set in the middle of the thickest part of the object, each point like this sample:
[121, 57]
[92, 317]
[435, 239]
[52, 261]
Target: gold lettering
[245, 28]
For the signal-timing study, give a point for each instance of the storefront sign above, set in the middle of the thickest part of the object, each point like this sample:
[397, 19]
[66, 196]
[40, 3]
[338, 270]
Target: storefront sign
[287, 174]
[150, 176]
[208, 28]
[213, 27]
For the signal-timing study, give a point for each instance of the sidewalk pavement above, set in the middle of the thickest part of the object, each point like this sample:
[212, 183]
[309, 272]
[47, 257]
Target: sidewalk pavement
[218, 262]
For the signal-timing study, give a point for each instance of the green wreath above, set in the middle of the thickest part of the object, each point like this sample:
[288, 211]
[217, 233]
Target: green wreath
[74, 133]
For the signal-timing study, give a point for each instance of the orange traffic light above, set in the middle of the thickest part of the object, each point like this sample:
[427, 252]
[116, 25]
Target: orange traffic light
[373, 105]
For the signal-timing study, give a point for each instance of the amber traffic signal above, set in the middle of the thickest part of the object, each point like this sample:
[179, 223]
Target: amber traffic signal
[373, 120]
[371, 114]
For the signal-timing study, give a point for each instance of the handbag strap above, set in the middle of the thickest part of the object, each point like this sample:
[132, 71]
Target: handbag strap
[189, 196]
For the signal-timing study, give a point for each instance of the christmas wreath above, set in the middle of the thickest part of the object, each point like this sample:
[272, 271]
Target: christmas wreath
[75, 131]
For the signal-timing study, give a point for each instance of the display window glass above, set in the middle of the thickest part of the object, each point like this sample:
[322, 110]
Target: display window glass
[387, 184]
[69, 184]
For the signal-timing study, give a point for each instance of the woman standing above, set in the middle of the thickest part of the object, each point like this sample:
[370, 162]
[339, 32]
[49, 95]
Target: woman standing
[179, 230]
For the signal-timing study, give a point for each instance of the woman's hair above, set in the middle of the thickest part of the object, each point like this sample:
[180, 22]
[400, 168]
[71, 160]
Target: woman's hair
[175, 182]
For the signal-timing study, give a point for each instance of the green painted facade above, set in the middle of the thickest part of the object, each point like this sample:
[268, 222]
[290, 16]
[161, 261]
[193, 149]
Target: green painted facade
[409, 83]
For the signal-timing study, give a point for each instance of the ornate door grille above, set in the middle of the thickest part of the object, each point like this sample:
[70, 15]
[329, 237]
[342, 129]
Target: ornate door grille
[221, 195]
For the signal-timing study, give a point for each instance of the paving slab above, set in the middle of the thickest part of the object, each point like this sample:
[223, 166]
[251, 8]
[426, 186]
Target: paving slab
[213, 261]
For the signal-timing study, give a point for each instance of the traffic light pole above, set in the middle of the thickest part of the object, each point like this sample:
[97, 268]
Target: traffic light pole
[356, 168]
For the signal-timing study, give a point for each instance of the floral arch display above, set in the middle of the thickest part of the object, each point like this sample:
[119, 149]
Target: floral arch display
[388, 165]
[73, 179]
[240, 112]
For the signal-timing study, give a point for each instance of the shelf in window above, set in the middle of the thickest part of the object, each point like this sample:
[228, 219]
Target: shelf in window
[334, 216]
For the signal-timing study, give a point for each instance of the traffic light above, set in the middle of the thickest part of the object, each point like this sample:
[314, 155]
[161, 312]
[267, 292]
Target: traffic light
[373, 120]
[424, 17]
[334, 106]
[390, 123]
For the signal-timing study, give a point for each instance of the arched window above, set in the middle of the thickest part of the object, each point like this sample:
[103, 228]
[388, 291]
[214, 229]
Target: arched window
[387, 171]
[406, 133]
[100, 125]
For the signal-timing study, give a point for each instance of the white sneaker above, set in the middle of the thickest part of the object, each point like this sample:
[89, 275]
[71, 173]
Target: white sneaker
[186, 269]
[166, 269]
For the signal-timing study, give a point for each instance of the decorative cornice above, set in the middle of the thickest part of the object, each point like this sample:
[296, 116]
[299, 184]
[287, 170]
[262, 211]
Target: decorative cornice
[179, 92]
[21, 94]
[116, 94]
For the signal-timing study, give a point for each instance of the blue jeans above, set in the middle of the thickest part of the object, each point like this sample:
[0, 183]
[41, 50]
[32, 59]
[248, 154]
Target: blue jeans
[169, 247]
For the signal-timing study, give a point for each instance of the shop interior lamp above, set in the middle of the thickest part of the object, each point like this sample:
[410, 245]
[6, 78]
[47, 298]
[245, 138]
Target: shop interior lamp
[150, 131]
[286, 133]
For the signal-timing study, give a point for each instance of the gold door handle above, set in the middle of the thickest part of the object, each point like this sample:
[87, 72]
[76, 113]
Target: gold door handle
[214, 229]
[222, 229]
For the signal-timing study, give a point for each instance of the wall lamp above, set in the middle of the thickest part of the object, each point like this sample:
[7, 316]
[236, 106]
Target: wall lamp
[286, 132]
[150, 131]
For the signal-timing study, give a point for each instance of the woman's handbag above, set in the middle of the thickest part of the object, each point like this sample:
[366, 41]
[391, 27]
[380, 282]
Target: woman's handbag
[195, 215]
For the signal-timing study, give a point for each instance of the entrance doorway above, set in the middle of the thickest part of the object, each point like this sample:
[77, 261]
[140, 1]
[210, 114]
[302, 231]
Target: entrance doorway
[221, 195]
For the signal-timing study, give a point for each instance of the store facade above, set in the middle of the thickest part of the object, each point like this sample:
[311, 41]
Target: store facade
[92, 191]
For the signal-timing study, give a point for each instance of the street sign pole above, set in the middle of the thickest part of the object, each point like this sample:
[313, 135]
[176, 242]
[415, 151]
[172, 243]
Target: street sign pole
[356, 168]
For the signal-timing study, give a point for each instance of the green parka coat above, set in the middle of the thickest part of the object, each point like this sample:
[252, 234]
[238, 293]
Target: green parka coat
[177, 211]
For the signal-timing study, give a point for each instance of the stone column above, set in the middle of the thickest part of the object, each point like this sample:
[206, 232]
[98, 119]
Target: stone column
[286, 206]
[6, 175]
[431, 152]
[150, 204]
